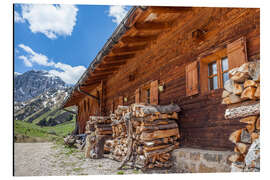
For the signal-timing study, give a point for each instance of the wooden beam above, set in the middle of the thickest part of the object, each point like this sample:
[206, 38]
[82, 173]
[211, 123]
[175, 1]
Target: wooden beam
[109, 64]
[108, 68]
[153, 26]
[96, 77]
[138, 39]
[128, 49]
[119, 57]
[166, 9]
[91, 83]
[101, 73]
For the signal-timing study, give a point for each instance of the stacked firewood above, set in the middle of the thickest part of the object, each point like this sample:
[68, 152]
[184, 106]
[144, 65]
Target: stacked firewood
[102, 124]
[242, 94]
[244, 84]
[119, 129]
[148, 134]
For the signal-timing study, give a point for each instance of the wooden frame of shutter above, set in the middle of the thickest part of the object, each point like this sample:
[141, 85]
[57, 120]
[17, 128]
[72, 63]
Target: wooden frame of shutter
[137, 95]
[237, 53]
[121, 101]
[192, 83]
[154, 92]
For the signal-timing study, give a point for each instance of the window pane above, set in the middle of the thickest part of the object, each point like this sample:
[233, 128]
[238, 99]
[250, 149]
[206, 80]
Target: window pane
[225, 77]
[225, 65]
[213, 83]
[212, 68]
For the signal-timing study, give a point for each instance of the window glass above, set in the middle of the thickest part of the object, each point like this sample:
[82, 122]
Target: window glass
[225, 77]
[212, 68]
[213, 83]
[225, 65]
[148, 95]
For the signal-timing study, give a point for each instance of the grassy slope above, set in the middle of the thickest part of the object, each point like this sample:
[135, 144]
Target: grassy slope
[32, 130]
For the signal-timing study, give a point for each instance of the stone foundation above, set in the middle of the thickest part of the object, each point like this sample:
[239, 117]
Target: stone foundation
[201, 161]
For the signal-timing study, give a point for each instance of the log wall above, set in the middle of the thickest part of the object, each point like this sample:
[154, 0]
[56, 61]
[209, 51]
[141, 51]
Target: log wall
[202, 122]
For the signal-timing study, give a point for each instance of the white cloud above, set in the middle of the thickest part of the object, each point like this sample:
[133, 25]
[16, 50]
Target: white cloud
[118, 13]
[34, 57]
[51, 20]
[67, 73]
[26, 61]
[18, 18]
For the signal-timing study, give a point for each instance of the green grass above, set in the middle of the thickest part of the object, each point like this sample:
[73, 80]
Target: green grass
[33, 130]
[120, 172]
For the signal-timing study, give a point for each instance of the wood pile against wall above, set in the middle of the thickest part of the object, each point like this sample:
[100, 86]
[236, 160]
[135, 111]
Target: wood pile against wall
[243, 88]
[151, 134]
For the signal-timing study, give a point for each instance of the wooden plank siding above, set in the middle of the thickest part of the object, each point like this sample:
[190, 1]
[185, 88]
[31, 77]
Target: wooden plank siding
[202, 122]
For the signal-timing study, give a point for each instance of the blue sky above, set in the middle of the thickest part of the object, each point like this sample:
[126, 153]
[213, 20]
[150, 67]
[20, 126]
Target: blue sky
[62, 39]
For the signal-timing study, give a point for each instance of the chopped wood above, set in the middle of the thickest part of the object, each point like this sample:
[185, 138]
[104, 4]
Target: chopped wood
[159, 134]
[258, 124]
[242, 111]
[249, 120]
[242, 147]
[231, 99]
[250, 128]
[235, 136]
[159, 127]
[245, 136]
[237, 89]
[248, 93]
[254, 136]
[240, 77]
[147, 149]
[257, 92]
[236, 157]
[225, 94]
[250, 83]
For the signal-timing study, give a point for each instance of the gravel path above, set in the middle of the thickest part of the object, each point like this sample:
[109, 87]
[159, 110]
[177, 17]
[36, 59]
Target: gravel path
[46, 159]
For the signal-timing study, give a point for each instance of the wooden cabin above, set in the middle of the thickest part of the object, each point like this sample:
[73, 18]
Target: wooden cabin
[163, 55]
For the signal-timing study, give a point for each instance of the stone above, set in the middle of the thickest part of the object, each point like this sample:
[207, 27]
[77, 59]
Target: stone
[237, 167]
[245, 137]
[206, 169]
[195, 156]
[252, 158]
[212, 157]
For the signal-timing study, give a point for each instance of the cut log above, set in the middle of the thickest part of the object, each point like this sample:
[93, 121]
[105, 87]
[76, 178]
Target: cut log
[225, 93]
[242, 111]
[237, 89]
[254, 70]
[236, 149]
[228, 86]
[254, 136]
[159, 127]
[248, 93]
[147, 149]
[257, 92]
[242, 147]
[168, 109]
[235, 136]
[250, 83]
[250, 128]
[249, 120]
[258, 124]
[157, 116]
[231, 99]
[245, 136]
[165, 150]
[240, 77]
[159, 134]
[236, 157]
[158, 122]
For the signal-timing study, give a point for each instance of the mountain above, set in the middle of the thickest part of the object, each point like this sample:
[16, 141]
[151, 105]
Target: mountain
[33, 83]
[38, 97]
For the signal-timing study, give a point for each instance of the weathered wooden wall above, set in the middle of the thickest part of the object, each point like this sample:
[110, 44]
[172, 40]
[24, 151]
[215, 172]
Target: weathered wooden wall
[202, 121]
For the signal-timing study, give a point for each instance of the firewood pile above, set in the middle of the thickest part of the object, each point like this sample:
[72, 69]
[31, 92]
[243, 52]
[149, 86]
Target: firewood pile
[244, 84]
[144, 135]
[243, 88]
[98, 130]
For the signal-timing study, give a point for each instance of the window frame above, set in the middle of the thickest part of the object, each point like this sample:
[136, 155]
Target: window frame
[217, 57]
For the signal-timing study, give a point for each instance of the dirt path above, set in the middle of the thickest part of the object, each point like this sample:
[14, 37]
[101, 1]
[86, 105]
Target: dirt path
[45, 159]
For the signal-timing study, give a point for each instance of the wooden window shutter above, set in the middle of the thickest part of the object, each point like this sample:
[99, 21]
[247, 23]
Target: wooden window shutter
[137, 95]
[121, 101]
[192, 79]
[154, 92]
[237, 53]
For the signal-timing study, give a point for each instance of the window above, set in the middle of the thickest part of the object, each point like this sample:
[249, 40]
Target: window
[218, 73]
[148, 95]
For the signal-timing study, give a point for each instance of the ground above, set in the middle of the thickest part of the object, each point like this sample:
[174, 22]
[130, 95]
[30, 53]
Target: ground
[50, 159]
